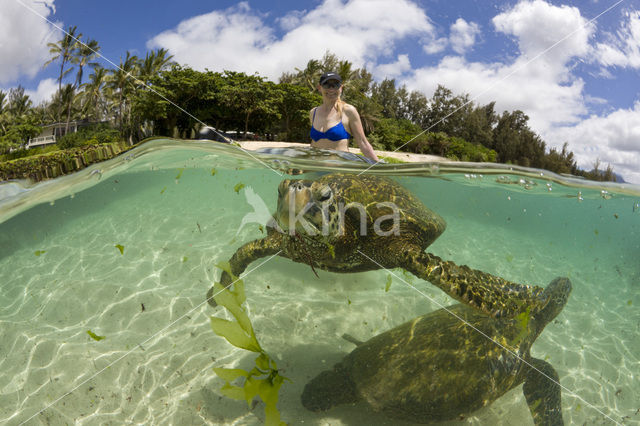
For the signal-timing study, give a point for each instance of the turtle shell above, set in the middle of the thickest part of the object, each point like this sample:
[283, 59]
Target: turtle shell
[436, 367]
[380, 196]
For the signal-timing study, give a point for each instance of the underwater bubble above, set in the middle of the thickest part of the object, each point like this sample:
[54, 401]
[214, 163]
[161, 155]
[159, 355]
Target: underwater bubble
[605, 194]
[636, 207]
[549, 188]
[580, 196]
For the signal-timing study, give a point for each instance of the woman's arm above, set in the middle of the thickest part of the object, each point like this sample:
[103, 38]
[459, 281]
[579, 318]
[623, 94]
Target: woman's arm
[356, 130]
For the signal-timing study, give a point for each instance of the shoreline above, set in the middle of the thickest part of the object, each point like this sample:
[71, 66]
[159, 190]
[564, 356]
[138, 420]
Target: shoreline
[404, 156]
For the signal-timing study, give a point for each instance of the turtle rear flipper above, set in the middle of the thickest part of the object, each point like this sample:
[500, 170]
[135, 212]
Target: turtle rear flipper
[328, 389]
[493, 295]
[543, 394]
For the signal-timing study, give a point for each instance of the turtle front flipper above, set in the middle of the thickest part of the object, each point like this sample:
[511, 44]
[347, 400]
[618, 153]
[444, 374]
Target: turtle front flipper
[246, 254]
[543, 394]
[493, 295]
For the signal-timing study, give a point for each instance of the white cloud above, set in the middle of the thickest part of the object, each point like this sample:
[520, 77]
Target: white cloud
[624, 48]
[540, 80]
[24, 37]
[238, 39]
[541, 86]
[546, 88]
[436, 45]
[291, 20]
[392, 70]
[558, 31]
[613, 139]
[44, 92]
[463, 35]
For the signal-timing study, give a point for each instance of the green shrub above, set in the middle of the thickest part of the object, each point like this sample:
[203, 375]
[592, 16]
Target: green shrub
[451, 147]
[391, 134]
[466, 151]
[21, 153]
[91, 135]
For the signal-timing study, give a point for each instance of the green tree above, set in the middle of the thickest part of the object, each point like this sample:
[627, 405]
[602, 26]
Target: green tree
[479, 125]
[357, 93]
[17, 123]
[309, 76]
[296, 102]
[447, 113]
[193, 91]
[417, 109]
[18, 104]
[63, 50]
[252, 99]
[155, 62]
[93, 93]
[386, 95]
[84, 54]
[121, 82]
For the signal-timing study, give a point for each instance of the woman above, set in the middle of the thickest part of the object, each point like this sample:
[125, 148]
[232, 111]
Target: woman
[334, 122]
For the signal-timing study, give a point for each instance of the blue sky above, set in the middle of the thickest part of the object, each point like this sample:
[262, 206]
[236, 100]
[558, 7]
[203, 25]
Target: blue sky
[575, 76]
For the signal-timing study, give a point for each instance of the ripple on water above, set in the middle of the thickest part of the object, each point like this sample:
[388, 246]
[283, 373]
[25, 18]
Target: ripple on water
[154, 364]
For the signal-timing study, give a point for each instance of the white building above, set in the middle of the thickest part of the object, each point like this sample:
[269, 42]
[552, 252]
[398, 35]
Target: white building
[51, 132]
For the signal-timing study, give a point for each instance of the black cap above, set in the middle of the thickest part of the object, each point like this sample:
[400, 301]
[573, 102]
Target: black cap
[330, 76]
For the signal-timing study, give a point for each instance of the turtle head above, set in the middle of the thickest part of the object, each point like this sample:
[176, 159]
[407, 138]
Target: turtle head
[307, 207]
[556, 295]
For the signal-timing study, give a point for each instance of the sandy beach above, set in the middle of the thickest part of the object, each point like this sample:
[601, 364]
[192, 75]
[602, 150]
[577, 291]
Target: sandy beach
[404, 156]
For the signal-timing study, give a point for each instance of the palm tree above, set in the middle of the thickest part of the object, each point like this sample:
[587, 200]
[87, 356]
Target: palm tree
[67, 98]
[63, 50]
[121, 81]
[93, 93]
[19, 103]
[345, 70]
[85, 53]
[154, 63]
[310, 75]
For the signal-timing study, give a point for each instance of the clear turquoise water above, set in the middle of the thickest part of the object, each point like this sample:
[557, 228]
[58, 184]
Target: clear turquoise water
[61, 274]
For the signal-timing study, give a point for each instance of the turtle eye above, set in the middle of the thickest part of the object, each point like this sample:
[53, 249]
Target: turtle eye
[324, 194]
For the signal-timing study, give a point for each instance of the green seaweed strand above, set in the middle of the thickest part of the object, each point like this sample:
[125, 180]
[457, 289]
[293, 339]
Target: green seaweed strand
[263, 380]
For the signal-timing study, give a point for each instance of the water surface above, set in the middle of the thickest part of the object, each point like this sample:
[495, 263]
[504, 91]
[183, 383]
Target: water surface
[175, 208]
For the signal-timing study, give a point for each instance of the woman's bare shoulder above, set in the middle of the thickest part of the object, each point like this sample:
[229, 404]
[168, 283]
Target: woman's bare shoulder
[349, 109]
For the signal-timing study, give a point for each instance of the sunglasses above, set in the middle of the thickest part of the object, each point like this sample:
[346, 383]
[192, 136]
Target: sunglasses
[331, 84]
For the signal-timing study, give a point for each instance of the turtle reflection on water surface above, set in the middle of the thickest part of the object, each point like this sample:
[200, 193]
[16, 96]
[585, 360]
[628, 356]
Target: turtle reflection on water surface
[352, 223]
[437, 367]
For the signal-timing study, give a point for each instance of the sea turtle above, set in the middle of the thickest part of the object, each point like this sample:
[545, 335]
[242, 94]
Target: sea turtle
[447, 364]
[345, 222]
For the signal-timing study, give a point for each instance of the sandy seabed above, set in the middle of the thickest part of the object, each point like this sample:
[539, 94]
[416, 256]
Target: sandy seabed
[63, 275]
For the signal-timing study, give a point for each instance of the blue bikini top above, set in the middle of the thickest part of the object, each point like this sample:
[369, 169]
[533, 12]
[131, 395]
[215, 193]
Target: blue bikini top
[336, 133]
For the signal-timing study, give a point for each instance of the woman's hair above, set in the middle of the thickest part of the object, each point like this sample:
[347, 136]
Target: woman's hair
[340, 105]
